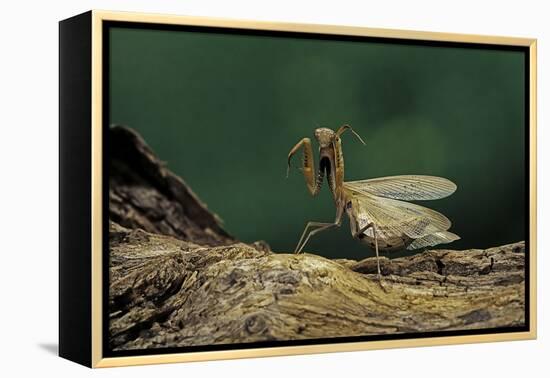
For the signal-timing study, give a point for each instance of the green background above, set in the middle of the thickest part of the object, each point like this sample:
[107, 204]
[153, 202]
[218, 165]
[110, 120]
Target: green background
[224, 110]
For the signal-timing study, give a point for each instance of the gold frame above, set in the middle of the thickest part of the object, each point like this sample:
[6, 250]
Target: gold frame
[97, 280]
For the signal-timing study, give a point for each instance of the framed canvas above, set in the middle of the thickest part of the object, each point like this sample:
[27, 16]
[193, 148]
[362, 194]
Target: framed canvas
[186, 230]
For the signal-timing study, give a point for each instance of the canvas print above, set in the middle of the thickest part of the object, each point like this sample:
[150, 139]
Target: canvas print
[270, 188]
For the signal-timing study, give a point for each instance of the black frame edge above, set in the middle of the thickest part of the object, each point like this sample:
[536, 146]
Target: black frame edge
[75, 143]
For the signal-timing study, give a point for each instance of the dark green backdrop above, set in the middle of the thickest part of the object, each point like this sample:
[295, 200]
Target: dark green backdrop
[224, 110]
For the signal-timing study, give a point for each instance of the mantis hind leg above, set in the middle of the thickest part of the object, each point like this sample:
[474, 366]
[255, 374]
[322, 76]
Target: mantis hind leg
[361, 231]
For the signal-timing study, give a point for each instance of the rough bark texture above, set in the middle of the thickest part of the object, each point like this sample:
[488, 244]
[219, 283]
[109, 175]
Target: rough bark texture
[168, 292]
[185, 282]
[144, 194]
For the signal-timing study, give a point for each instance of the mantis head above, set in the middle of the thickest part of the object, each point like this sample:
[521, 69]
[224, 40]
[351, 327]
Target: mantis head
[326, 136]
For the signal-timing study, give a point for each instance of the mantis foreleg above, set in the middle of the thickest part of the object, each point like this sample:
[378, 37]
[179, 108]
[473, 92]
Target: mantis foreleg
[308, 166]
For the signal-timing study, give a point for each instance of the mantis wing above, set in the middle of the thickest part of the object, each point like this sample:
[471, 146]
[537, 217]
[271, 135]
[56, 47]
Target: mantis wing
[393, 218]
[440, 237]
[407, 187]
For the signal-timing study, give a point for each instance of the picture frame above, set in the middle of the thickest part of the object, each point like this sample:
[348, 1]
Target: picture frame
[87, 307]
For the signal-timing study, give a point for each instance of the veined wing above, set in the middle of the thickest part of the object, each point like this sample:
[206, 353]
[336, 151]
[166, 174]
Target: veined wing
[406, 187]
[394, 218]
[440, 237]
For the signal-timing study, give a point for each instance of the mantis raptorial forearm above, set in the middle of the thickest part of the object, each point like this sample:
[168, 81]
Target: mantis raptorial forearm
[335, 157]
[308, 166]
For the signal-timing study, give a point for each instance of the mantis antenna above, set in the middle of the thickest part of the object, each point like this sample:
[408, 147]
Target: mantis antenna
[343, 128]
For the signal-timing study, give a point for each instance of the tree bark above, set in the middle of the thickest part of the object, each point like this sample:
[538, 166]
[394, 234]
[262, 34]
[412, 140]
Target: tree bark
[144, 194]
[178, 279]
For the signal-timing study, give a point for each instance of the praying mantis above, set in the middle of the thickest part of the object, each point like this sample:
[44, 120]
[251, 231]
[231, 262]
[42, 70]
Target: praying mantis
[377, 209]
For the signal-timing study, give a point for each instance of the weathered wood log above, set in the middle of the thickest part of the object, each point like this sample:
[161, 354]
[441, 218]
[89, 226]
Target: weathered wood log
[166, 292]
[178, 279]
[144, 194]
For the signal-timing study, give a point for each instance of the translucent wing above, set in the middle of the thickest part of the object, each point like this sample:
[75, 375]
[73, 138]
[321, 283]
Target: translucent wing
[393, 218]
[440, 237]
[407, 187]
